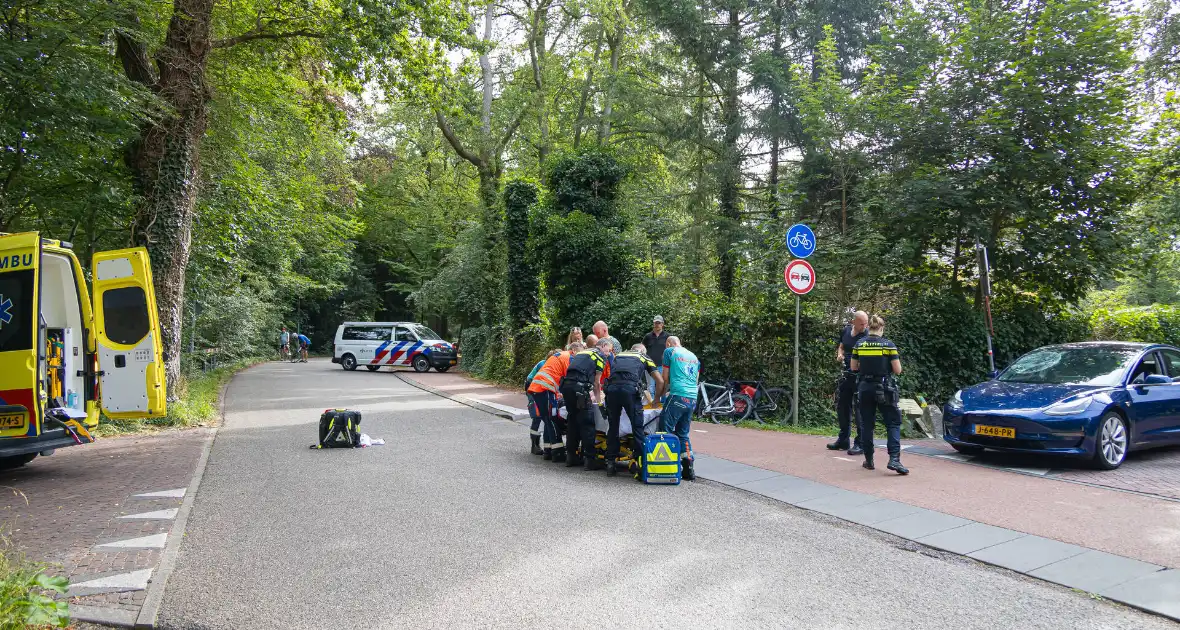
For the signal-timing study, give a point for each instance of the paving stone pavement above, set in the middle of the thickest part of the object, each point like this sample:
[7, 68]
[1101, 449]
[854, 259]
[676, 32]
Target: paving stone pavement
[57, 509]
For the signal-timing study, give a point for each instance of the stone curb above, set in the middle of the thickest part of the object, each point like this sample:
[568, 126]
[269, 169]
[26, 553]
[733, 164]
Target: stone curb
[114, 617]
[463, 400]
[155, 593]
[832, 501]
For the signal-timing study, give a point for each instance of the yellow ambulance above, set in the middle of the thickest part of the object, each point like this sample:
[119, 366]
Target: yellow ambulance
[63, 358]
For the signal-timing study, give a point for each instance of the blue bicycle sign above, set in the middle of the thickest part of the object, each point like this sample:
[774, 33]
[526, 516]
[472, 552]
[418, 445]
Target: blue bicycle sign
[800, 241]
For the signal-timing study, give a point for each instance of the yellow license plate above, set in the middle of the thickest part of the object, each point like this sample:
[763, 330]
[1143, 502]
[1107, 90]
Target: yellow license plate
[12, 420]
[1004, 432]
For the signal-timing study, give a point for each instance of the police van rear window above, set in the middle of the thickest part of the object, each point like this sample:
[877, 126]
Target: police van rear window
[366, 333]
[16, 310]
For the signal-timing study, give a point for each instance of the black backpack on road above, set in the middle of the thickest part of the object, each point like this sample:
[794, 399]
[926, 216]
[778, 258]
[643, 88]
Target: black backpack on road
[339, 428]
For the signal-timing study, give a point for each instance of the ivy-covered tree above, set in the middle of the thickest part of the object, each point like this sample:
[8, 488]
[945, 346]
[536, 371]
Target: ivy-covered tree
[523, 301]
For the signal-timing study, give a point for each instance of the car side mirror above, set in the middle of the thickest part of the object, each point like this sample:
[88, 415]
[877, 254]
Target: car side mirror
[1156, 379]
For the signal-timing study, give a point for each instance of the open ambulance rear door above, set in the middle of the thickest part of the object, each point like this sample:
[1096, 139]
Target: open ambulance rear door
[130, 360]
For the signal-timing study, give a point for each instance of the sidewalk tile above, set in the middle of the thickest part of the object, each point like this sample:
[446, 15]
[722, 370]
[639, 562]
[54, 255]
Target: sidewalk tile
[878, 512]
[1094, 571]
[969, 538]
[1027, 553]
[1158, 592]
[921, 523]
[789, 489]
[735, 474]
[839, 503]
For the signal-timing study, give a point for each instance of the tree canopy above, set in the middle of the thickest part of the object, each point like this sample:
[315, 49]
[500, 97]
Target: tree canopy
[506, 169]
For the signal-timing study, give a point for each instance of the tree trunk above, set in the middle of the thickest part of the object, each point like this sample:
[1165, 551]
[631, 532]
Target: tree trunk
[581, 120]
[730, 175]
[537, 52]
[165, 163]
[615, 43]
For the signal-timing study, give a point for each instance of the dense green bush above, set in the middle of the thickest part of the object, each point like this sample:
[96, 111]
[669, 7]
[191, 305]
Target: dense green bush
[1157, 323]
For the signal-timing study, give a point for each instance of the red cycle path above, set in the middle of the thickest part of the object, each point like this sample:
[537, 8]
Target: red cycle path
[1121, 523]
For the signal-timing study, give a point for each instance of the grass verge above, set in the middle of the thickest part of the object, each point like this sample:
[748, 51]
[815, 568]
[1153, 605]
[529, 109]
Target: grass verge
[198, 405]
[26, 594]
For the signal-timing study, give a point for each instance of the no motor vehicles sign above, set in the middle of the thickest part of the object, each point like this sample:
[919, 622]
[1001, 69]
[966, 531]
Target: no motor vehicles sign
[800, 276]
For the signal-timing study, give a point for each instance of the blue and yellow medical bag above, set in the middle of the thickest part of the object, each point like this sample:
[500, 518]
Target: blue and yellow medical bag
[661, 459]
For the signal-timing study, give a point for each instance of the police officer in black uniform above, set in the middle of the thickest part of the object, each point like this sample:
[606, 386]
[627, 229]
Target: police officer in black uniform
[584, 378]
[623, 394]
[846, 408]
[876, 362]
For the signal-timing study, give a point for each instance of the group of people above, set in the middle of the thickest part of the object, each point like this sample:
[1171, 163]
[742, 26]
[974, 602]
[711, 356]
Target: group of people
[300, 341]
[867, 385]
[594, 371]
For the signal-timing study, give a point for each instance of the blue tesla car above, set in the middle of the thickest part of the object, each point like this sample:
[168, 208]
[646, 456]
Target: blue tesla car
[1098, 400]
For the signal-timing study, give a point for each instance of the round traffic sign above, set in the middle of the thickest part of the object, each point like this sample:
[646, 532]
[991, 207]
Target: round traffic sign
[800, 241]
[800, 276]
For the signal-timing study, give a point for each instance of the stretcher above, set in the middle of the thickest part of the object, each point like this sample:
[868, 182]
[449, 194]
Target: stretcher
[651, 424]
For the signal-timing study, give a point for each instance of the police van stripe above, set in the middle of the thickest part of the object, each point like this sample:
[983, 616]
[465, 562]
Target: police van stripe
[380, 353]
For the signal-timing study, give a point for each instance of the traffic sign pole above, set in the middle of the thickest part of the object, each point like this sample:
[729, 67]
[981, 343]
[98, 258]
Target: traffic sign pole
[795, 389]
[800, 278]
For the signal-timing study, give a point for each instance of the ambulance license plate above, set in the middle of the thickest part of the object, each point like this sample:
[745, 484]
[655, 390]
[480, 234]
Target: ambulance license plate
[1004, 432]
[12, 420]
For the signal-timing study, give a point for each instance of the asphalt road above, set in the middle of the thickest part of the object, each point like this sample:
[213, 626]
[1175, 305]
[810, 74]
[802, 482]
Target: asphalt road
[453, 524]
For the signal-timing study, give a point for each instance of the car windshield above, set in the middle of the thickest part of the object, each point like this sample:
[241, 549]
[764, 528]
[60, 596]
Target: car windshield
[424, 332]
[1097, 365]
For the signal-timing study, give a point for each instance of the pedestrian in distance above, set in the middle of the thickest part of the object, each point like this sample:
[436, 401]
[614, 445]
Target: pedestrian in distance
[581, 388]
[681, 369]
[846, 408]
[304, 344]
[655, 342]
[876, 363]
[622, 394]
[284, 344]
[601, 331]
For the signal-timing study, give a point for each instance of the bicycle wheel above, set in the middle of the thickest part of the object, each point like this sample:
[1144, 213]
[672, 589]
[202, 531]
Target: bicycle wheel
[742, 408]
[773, 402]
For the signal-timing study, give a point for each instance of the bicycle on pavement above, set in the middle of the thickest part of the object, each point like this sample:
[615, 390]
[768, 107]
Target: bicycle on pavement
[718, 403]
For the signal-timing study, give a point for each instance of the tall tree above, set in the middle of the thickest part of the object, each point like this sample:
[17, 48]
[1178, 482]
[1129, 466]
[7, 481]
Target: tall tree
[165, 159]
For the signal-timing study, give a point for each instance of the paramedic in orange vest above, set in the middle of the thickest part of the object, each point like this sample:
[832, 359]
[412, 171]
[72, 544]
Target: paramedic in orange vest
[544, 390]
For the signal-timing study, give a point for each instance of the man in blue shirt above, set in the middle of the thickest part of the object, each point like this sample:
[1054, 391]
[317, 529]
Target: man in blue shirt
[304, 344]
[681, 369]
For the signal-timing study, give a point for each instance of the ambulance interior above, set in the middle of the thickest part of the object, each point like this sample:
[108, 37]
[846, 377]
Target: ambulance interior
[62, 336]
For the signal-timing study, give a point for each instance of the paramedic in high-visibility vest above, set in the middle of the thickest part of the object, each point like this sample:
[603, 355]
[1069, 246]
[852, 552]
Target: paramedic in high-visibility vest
[582, 387]
[544, 390]
[681, 370]
[535, 432]
[622, 394]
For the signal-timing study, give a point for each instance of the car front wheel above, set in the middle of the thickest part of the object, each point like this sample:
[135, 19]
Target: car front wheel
[348, 362]
[1112, 442]
[421, 363]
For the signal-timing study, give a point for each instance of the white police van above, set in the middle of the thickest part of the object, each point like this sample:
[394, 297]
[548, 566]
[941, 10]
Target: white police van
[377, 344]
